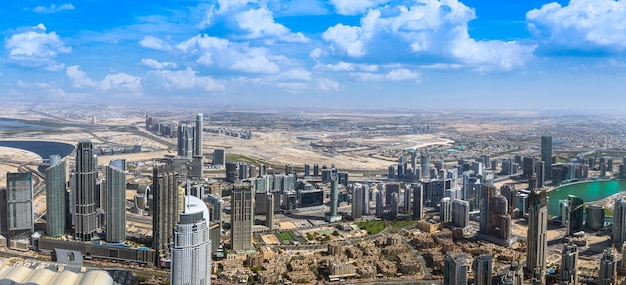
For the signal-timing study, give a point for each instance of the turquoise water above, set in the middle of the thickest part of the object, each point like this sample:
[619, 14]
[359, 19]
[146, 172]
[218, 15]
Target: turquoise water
[588, 191]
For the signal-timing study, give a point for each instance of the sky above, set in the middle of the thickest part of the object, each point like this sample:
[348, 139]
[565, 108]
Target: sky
[477, 54]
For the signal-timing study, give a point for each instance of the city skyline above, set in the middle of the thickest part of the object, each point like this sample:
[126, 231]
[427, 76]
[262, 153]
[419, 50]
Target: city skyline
[533, 55]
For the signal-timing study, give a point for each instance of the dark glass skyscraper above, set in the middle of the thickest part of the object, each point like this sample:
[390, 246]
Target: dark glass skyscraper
[16, 206]
[546, 156]
[85, 195]
[536, 239]
[55, 197]
[197, 150]
[164, 208]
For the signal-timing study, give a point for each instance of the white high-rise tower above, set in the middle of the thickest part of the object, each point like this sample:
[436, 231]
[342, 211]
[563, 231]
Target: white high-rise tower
[191, 253]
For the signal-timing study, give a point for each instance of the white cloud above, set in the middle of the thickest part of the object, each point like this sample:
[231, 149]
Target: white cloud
[154, 43]
[316, 53]
[120, 81]
[399, 74]
[260, 24]
[348, 38]
[157, 64]
[292, 86]
[355, 7]
[347, 66]
[36, 48]
[186, 79]
[255, 61]
[235, 56]
[53, 8]
[403, 74]
[227, 5]
[427, 28]
[582, 25]
[296, 74]
[79, 78]
[326, 84]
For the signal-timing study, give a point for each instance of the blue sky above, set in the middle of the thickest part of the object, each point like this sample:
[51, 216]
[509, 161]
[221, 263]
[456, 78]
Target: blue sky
[301, 53]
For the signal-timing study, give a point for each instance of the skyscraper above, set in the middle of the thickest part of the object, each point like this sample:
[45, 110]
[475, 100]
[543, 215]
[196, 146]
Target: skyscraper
[191, 252]
[407, 199]
[575, 215]
[546, 156]
[85, 193]
[495, 220]
[455, 269]
[219, 156]
[357, 202]
[460, 213]
[185, 140]
[483, 268]
[425, 164]
[197, 150]
[418, 202]
[269, 212]
[379, 204]
[164, 208]
[445, 210]
[536, 240]
[334, 192]
[366, 200]
[569, 258]
[115, 210]
[608, 268]
[619, 221]
[393, 211]
[56, 187]
[242, 216]
[16, 206]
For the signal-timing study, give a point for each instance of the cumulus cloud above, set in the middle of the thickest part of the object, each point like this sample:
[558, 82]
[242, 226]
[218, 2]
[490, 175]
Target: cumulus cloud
[36, 48]
[187, 79]
[427, 28]
[79, 78]
[326, 84]
[120, 81]
[347, 38]
[355, 7]
[154, 43]
[235, 56]
[53, 8]
[399, 74]
[586, 25]
[260, 24]
[151, 63]
[347, 66]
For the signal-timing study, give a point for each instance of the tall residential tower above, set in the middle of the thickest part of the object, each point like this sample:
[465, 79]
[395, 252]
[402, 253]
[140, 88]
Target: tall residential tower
[85, 193]
[56, 188]
[536, 240]
[191, 252]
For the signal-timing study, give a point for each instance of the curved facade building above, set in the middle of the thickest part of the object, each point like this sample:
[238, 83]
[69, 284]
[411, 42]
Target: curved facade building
[191, 253]
[55, 198]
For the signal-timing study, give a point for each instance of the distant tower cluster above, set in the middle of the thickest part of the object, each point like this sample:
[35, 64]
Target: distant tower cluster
[85, 195]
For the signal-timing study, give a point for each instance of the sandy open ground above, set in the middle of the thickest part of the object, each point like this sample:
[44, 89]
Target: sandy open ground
[287, 225]
[270, 239]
